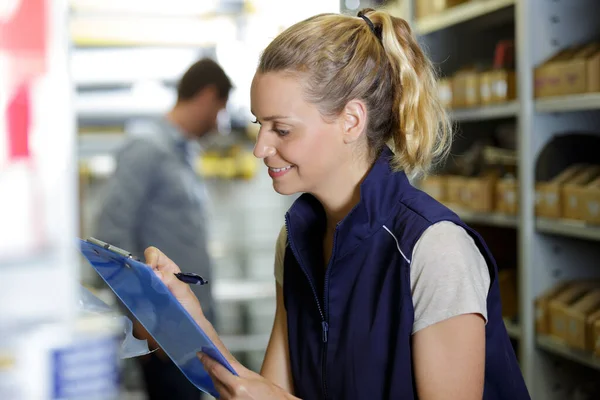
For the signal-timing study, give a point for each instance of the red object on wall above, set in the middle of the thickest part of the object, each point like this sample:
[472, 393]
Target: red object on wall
[18, 118]
[25, 30]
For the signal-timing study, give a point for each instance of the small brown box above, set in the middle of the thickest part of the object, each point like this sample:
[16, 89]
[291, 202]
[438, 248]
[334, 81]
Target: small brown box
[573, 192]
[581, 73]
[548, 194]
[507, 280]
[560, 304]
[485, 87]
[479, 196]
[597, 338]
[590, 324]
[472, 90]
[459, 89]
[455, 186]
[424, 8]
[547, 76]
[507, 196]
[578, 336]
[542, 302]
[442, 5]
[503, 86]
[591, 199]
[435, 186]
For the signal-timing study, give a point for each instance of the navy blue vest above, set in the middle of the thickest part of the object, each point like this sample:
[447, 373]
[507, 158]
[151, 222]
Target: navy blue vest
[350, 328]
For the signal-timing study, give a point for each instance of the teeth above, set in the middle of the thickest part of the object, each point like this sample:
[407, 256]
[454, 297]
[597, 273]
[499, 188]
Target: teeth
[280, 169]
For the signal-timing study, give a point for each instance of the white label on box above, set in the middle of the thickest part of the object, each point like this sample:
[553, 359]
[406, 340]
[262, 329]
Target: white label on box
[572, 201]
[500, 88]
[551, 198]
[538, 198]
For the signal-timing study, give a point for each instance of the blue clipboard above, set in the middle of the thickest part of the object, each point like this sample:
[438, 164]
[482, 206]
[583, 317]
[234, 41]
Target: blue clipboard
[160, 313]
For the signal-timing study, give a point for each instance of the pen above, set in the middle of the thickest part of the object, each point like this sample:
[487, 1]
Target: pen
[191, 278]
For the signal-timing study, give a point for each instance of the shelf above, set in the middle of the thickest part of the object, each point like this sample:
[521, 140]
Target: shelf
[243, 290]
[92, 144]
[513, 329]
[553, 346]
[575, 229]
[578, 102]
[498, 111]
[241, 343]
[490, 219]
[460, 13]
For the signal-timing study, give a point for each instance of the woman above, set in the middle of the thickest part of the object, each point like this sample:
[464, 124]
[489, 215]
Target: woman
[382, 292]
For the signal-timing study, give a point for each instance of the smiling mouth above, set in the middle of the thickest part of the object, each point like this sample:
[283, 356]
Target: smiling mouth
[281, 169]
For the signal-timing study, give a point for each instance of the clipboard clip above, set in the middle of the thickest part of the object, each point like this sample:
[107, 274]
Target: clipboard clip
[114, 249]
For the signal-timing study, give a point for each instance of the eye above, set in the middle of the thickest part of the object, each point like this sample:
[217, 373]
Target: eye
[281, 132]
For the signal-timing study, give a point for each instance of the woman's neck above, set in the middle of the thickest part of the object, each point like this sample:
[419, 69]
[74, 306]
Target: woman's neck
[340, 197]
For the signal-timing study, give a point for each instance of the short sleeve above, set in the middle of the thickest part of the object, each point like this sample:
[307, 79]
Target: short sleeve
[449, 276]
[280, 255]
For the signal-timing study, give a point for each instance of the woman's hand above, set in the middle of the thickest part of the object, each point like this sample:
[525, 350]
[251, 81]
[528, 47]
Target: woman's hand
[247, 385]
[166, 269]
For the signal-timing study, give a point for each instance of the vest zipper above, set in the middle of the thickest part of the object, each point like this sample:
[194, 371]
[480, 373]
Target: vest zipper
[322, 311]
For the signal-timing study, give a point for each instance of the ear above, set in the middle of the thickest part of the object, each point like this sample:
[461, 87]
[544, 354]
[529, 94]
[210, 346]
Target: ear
[354, 120]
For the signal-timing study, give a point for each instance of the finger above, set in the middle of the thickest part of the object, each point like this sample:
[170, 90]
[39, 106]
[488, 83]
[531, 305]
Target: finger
[220, 375]
[157, 260]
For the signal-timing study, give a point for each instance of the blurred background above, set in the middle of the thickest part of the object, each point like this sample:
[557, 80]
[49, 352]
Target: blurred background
[520, 79]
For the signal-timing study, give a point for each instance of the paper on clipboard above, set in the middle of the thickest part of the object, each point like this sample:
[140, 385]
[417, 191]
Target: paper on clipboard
[161, 314]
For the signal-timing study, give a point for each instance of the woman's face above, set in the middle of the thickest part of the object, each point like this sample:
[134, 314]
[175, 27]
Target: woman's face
[302, 151]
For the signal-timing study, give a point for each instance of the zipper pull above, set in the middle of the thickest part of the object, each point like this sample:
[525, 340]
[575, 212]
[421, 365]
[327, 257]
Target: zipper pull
[325, 326]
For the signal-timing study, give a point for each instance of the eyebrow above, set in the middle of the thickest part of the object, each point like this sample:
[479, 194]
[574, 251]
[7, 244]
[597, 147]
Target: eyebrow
[273, 117]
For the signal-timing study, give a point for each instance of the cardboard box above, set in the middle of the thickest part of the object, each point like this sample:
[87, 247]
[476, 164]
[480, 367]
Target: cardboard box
[435, 186]
[591, 199]
[573, 192]
[547, 76]
[582, 73]
[455, 186]
[424, 8]
[480, 193]
[504, 86]
[548, 194]
[507, 279]
[485, 87]
[445, 92]
[590, 325]
[542, 311]
[560, 305]
[472, 90]
[507, 196]
[571, 71]
[442, 5]
[578, 335]
[597, 338]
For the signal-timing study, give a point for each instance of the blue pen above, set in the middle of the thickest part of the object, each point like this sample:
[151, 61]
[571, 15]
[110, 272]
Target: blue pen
[187, 277]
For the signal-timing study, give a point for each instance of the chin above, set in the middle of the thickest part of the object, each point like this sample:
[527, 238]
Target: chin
[285, 189]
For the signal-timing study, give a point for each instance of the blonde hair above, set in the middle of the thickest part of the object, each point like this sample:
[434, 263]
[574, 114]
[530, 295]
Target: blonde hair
[340, 58]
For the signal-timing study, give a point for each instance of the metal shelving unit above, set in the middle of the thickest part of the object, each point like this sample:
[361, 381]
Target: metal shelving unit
[579, 102]
[574, 229]
[549, 250]
[554, 346]
[498, 111]
[460, 13]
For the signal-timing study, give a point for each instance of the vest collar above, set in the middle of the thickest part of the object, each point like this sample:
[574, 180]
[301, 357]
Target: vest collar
[380, 193]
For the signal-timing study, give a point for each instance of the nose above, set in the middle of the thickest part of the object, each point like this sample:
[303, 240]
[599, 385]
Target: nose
[262, 148]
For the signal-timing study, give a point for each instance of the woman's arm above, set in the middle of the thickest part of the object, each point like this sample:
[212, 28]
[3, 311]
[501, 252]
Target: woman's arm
[449, 359]
[276, 365]
[450, 281]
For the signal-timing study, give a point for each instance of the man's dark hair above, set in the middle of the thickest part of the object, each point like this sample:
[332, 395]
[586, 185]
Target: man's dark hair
[201, 74]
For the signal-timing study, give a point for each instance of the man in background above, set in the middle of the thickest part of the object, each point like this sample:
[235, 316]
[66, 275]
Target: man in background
[155, 198]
